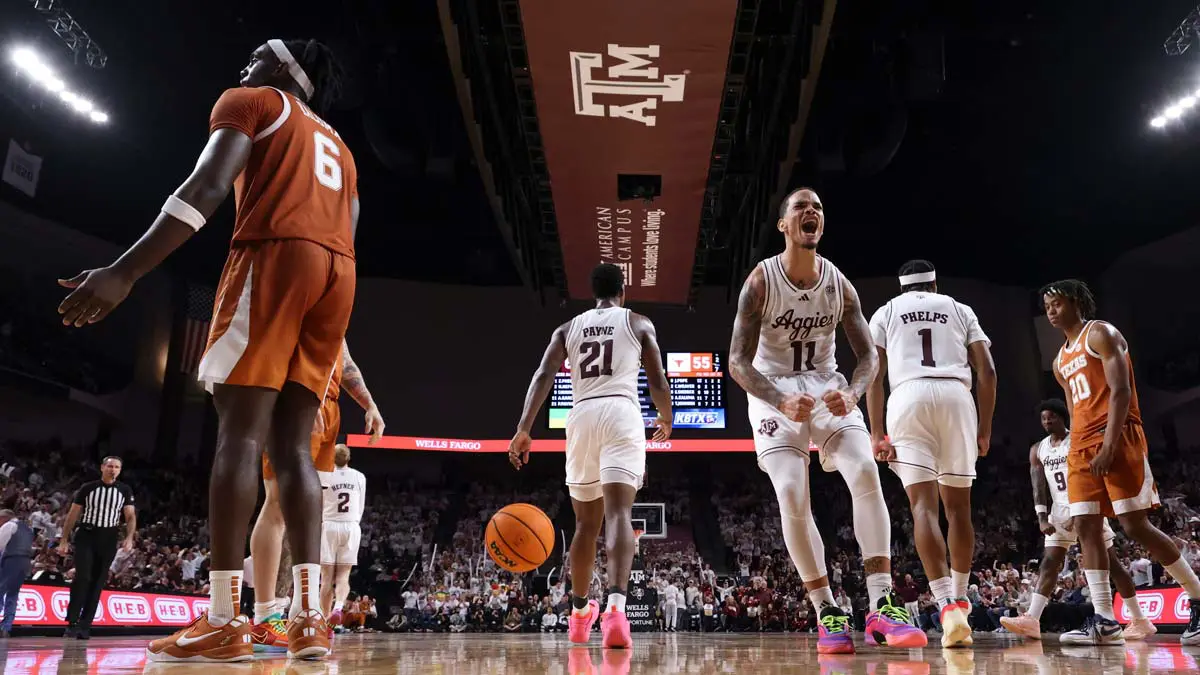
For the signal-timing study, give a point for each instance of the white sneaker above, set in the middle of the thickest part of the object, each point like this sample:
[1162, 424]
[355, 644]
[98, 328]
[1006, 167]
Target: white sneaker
[1140, 629]
[1097, 630]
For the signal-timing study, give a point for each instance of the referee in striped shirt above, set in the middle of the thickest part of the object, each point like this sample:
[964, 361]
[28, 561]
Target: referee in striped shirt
[98, 508]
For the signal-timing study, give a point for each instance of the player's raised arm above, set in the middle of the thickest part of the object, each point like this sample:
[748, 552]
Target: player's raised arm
[747, 327]
[356, 386]
[98, 291]
[535, 396]
[656, 377]
[1105, 340]
[1041, 491]
[980, 356]
[858, 333]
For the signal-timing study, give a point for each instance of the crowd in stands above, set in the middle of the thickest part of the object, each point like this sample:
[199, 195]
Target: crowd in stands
[418, 586]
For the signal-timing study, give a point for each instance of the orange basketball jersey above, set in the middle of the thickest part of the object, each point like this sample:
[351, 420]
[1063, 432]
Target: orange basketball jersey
[1083, 371]
[300, 179]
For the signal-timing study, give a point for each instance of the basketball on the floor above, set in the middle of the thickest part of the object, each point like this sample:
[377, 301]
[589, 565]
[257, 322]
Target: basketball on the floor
[519, 537]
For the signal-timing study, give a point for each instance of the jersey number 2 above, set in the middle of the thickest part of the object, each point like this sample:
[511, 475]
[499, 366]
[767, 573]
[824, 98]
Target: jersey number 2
[326, 164]
[343, 502]
[592, 350]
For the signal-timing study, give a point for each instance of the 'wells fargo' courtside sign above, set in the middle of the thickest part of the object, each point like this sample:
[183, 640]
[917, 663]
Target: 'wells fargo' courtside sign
[628, 87]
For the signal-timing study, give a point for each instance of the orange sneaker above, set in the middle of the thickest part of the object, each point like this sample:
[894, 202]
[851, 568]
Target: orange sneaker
[204, 643]
[308, 636]
[271, 635]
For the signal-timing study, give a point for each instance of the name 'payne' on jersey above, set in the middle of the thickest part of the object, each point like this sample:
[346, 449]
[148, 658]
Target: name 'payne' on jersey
[604, 354]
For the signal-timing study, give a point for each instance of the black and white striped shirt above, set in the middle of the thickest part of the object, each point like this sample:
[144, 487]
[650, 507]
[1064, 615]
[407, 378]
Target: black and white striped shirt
[102, 503]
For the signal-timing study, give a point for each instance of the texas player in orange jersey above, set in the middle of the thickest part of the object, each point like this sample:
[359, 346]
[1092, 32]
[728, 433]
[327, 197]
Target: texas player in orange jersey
[266, 541]
[282, 307]
[1108, 471]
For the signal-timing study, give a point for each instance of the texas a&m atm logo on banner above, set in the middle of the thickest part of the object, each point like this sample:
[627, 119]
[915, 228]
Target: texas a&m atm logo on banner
[631, 79]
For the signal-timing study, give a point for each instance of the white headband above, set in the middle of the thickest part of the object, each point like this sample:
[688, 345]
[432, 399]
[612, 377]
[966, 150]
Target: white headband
[918, 278]
[285, 57]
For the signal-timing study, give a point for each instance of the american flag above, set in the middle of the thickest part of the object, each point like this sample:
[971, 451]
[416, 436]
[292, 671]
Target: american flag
[195, 329]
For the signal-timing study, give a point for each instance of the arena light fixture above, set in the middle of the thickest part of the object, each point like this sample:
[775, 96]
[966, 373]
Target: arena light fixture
[29, 63]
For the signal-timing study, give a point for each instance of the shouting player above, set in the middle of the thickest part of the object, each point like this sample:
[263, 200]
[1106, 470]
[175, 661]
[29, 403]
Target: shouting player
[1048, 473]
[345, 496]
[267, 539]
[1108, 470]
[782, 354]
[928, 344]
[606, 440]
[283, 304]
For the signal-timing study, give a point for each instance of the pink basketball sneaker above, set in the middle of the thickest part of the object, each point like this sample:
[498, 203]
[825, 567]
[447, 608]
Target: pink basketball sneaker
[579, 627]
[614, 627]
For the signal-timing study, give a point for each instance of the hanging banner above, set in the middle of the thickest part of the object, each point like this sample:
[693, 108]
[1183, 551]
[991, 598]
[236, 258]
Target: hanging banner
[629, 92]
[21, 169]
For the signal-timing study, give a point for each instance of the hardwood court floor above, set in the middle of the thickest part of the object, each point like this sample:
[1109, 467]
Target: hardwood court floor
[652, 653]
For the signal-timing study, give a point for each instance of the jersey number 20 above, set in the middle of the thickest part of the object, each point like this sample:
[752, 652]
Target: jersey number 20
[1080, 389]
[326, 164]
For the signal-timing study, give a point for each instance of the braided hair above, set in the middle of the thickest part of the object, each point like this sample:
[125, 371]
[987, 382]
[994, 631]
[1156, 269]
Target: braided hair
[1077, 292]
[318, 61]
[917, 267]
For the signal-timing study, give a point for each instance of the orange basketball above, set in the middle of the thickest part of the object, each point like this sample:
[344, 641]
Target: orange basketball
[519, 537]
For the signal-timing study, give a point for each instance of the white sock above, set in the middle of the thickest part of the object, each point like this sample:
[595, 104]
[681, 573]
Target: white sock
[283, 606]
[1135, 609]
[961, 581]
[337, 606]
[878, 585]
[1181, 572]
[942, 589]
[262, 610]
[616, 602]
[224, 596]
[821, 598]
[1101, 592]
[306, 579]
[1036, 605]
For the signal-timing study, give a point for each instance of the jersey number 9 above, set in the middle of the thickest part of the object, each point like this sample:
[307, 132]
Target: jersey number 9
[326, 164]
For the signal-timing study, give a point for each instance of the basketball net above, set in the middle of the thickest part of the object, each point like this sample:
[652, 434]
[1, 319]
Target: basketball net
[637, 540]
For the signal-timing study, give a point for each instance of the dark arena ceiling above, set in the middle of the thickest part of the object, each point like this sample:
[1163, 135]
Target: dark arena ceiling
[1007, 141]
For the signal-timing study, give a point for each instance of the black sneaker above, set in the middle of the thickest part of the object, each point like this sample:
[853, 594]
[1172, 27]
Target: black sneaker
[1191, 634]
[83, 634]
[1097, 630]
[70, 632]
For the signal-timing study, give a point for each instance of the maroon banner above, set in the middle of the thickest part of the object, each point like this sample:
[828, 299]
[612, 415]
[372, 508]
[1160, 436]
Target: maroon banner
[628, 87]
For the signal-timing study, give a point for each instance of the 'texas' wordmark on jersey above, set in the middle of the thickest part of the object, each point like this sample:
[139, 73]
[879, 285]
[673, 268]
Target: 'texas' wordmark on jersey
[799, 327]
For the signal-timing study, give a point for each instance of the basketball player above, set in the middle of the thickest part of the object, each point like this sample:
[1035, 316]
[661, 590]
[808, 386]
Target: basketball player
[928, 345]
[1108, 471]
[345, 495]
[606, 440]
[266, 541]
[1048, 473]
[282, 307]
[782, 354]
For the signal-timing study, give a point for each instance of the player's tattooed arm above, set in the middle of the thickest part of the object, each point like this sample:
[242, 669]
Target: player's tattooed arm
[746, 329]
[353, 382]
[858, 333]
[1041, 489]
[543, 378]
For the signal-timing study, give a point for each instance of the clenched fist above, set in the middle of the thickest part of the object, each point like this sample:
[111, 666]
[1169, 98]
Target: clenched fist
[840, 402]
[797, 407]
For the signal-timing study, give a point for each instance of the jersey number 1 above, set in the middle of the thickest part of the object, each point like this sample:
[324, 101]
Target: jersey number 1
[325, 164]
[927, 348]
[592, 350]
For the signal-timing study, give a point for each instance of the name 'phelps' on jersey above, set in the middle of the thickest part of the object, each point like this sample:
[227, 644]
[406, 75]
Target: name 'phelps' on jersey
[1083, 371]
[343, 495]
[604, 354]
[926, 335]
[799, 326]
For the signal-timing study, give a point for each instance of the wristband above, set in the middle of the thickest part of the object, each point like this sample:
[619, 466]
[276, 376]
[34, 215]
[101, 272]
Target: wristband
[1041, 510]
[177, 208]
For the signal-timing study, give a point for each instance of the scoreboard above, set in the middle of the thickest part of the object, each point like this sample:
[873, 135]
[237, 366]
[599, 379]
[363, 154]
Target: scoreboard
[696, 380]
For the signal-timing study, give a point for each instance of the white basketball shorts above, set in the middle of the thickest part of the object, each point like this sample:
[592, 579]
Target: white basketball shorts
[339, 543]
[1060, 515]
[933, 425]
[606, 443]
[775, 433]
